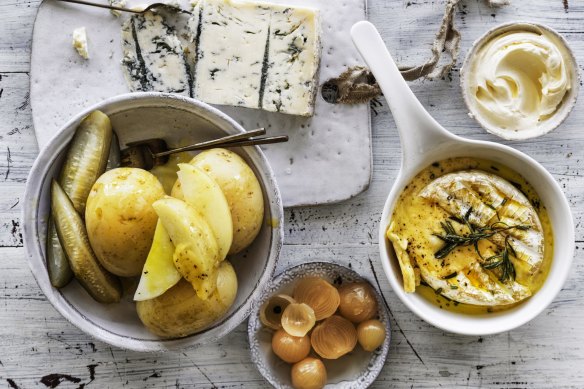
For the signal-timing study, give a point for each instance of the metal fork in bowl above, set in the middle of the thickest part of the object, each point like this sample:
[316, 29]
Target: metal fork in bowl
[148, 153]
[150, 7]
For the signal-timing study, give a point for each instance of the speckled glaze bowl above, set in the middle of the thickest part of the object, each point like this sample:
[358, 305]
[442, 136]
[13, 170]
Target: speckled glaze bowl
[567, 103]
[358, 369]
[176, 119]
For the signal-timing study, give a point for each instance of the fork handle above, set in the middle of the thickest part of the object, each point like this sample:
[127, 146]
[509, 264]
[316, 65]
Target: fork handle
[213, 143]
[238, 143]
[101, 6]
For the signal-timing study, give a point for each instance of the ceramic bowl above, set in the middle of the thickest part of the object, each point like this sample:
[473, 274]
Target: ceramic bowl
[544, 126]
[358, 369]
[176, 119]
[424, 142]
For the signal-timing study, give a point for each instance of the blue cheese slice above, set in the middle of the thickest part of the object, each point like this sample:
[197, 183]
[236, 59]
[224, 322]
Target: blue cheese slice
[293, 61]
[154, 59]
[230, 40]
[256, 55]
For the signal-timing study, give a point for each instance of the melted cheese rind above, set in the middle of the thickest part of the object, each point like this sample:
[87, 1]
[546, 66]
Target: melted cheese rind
[484, 199]
[474, 190]
[475, 286]
[401, 245]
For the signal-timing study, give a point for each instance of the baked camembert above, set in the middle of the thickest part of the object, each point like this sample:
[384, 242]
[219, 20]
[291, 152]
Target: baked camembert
[471, 235]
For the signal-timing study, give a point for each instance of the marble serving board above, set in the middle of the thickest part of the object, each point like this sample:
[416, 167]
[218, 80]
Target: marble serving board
[328, 157]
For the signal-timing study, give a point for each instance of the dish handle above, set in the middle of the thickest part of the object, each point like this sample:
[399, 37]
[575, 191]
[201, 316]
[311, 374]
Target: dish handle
[418, 131]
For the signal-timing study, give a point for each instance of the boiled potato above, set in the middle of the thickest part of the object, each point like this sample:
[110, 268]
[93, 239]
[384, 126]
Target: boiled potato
[120, 219]
[196, 254]
[166, 173]
[203, 193]
[241, 189]
[180, 312]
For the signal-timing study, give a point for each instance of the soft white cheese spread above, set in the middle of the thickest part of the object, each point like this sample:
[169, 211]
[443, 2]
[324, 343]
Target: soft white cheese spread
[519, 79]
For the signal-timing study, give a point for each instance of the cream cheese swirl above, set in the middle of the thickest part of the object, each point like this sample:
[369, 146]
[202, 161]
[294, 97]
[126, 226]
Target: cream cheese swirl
[518, 79]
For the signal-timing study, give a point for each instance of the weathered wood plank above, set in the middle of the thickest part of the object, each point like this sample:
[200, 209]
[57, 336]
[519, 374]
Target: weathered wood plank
[17, 152]
[36, 341]
[16, 32]
[419, 355]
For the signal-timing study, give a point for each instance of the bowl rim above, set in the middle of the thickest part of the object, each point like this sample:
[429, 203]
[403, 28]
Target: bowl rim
[304, 269]
[569, 100]
[497, 322]
[36, 261]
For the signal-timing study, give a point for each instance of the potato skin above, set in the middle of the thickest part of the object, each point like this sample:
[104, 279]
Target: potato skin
[241, 189]
[120, 219]
[179, 312]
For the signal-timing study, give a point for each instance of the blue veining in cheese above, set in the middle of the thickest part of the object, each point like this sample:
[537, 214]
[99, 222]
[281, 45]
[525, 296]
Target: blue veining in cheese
[231, 43]
[256, 55]
[293, 61]
[154, 59]
[237, 52]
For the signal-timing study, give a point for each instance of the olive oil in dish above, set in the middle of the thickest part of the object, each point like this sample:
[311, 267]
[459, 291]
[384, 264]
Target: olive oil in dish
[471, 236]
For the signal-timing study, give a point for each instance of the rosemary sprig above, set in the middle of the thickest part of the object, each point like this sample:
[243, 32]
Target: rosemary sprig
[452, 240]
[502, 260]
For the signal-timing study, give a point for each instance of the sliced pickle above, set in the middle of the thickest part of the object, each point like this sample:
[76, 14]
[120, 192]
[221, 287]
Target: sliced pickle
[101, 285]
[114, 158]
[60, 272]
[86, 159]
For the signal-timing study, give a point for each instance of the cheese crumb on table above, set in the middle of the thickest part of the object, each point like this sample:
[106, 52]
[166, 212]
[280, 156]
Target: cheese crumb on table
[117, 3]
[80, 42]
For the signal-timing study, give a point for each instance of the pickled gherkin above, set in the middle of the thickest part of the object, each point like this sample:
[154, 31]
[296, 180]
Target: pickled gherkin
[86, 160]
[101, 285]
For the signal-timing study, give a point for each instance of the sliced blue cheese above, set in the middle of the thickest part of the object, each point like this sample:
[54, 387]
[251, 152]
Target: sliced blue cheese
[80, 42]
[230, 40]
[293, 61]
[154, 59]
[256, 55]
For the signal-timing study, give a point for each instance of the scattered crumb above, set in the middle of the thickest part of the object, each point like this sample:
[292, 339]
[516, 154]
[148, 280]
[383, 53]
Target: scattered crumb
[80, 42]
[117, 3]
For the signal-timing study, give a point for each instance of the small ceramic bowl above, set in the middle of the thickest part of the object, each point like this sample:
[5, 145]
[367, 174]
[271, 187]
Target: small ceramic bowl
[358, 369]
[544, 126]
[176, 119]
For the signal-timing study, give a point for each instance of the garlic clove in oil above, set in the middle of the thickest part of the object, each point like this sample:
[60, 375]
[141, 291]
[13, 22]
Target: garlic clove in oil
[371, 334]
[298, 319]
[358, 302]
[319, 294]
[309, 373]
[272, 310]
[290, 348]
[334, 337]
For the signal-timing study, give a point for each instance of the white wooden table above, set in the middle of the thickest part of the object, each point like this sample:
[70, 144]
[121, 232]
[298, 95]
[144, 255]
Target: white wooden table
[36, 342]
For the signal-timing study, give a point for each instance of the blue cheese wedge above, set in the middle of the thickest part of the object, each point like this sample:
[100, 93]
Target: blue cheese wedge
[256, 55]
[80, 42]
[292, 61]
[154, 59]
[230, 41]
